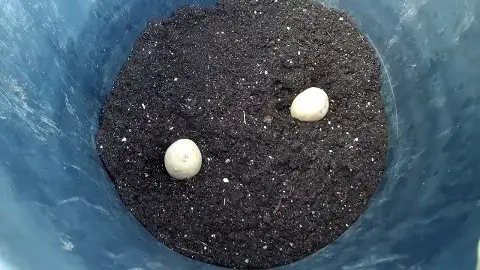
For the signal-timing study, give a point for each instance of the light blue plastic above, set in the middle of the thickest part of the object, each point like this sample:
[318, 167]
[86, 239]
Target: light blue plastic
[58, 209]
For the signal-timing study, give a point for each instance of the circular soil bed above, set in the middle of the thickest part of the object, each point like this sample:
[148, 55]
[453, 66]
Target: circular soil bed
[271, 190]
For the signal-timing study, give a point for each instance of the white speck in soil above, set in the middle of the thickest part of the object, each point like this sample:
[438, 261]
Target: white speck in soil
[225, 180]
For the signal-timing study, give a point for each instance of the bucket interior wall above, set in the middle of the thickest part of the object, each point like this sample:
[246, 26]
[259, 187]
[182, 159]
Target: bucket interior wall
[59, 209]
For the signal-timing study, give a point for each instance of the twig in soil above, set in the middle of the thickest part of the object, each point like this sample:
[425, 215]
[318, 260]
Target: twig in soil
[205, 244]
[188, 250]
[329, 35]
[278, 205]
[280, 201]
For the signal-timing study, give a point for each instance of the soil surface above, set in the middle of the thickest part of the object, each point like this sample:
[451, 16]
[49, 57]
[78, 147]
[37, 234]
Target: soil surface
[271, 190]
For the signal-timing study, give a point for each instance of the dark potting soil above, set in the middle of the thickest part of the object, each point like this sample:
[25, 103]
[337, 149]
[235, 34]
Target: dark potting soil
[271, 190]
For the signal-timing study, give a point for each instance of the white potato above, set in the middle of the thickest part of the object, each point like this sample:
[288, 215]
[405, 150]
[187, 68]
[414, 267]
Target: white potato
[310, 105]
[183, 159]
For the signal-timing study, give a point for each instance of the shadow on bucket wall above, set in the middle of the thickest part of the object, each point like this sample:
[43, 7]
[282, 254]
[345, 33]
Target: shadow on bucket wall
[59, 59]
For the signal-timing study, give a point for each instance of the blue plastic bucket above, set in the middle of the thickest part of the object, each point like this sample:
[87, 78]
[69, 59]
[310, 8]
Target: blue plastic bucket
[59, 210]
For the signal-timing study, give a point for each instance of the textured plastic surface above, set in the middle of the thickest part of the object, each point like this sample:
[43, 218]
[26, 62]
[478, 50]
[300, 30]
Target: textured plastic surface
[58, 210]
